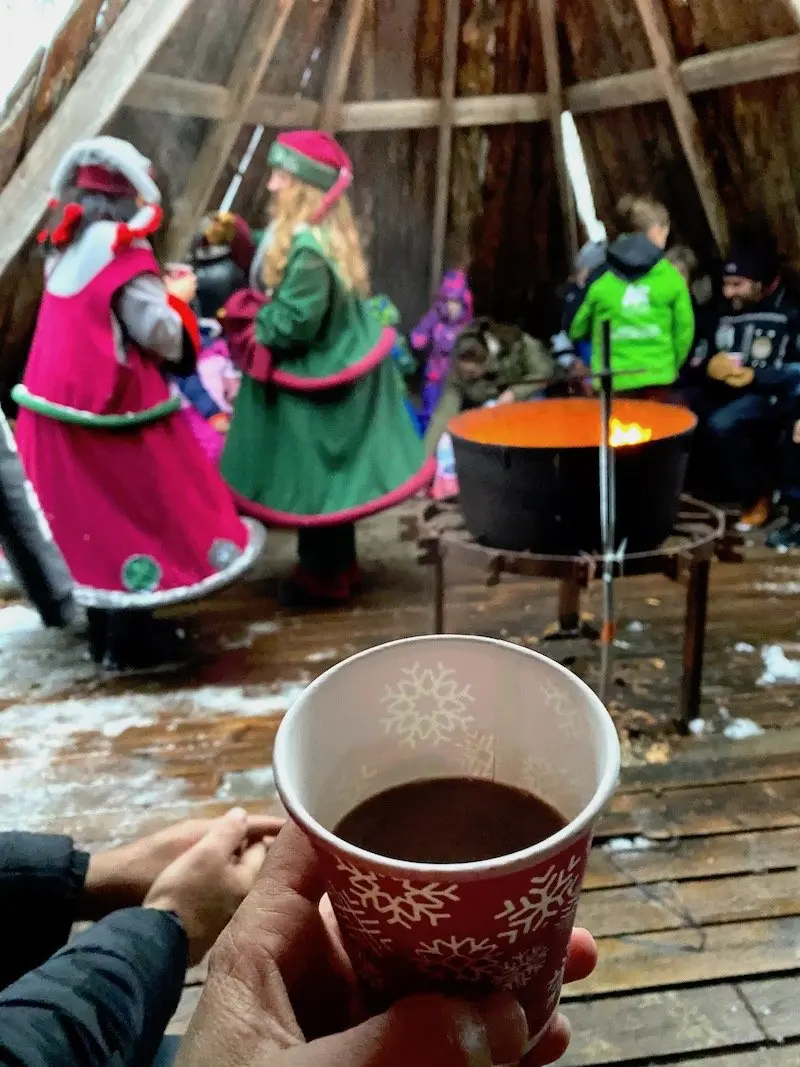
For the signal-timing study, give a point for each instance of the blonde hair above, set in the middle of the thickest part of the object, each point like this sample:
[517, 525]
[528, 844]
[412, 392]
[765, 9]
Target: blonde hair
[337, 234]
[683, 257]
[641, 213]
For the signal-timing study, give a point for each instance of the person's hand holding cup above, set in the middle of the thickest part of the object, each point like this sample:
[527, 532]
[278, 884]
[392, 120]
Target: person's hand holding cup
[435, 897]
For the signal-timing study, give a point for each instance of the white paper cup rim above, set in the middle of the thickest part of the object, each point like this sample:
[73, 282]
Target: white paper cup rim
[480, 869]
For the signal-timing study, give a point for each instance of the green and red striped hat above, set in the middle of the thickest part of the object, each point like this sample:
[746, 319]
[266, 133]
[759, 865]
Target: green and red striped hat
[317, 159]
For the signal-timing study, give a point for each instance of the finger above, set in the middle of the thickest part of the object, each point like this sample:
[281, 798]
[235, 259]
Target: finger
[227, 834]
[552, 1046]
[427, 1031]
[582, 956]
[291, 866]
[259, 826]
[250, 865]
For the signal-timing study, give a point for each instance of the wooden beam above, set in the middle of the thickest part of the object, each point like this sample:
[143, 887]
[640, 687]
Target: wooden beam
[794, 10]
[548, 25]
[93, 100]
[657, 29]
[775, 58]
[255, 54]
[444, 153]
[339, 65]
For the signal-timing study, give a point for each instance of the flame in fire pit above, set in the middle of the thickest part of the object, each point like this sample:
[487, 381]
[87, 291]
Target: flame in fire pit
[628, 434]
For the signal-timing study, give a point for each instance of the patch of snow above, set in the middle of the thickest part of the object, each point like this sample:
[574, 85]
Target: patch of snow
[36, 789]
[628, 844]
[250, 635]
[255, 784]
[698, 727]
[636, 627]
[741, 729]
[744, 647]
[323, 655]
[19, 619]
[778, 667]
[32, 728]
[624, 645]
[778, 588]
[8, 583]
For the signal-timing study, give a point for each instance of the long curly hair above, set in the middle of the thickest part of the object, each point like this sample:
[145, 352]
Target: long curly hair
[294, 206]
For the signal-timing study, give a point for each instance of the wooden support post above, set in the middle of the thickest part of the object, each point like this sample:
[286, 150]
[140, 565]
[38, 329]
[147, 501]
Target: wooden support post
[555, 96]
[98, 92]
[339, 66]
[255, 54]
[676, 94]
[444, 156]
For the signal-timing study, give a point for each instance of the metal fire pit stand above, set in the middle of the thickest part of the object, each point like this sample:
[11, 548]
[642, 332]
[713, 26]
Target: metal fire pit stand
[701, 533]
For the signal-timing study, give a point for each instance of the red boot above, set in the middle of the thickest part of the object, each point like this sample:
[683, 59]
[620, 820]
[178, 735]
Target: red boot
[308, 590]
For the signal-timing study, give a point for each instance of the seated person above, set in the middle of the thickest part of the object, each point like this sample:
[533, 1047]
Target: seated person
[158, 903]
[490, 362]
[753, 359]
[646, 301]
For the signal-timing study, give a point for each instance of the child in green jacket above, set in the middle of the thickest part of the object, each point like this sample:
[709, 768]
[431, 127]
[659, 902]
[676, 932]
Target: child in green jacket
[647, 302]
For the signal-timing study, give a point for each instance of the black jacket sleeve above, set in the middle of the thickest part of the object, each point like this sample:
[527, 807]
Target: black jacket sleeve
[41, 883]
[105, 1000]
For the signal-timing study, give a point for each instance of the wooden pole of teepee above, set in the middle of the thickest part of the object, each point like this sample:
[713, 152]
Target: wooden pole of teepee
[656, 27]
[252, 61]
[444, 156]
[339, 65]
[548, 23]
[92, 101]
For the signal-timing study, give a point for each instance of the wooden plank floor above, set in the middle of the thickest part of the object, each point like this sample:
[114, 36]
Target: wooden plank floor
[693, 887]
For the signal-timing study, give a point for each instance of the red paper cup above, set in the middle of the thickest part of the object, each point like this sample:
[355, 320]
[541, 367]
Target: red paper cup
[432, 707]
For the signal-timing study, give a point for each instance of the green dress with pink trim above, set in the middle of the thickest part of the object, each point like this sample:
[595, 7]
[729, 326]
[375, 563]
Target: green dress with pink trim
[328, 439]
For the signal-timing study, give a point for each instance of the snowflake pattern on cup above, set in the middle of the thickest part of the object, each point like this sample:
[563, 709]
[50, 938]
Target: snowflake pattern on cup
[552, 895]
[559, 702]
[469, 960]
[553, 784]
[462, 959]
[410, 904]
[427, 706]
[352, 918]
[476, 754]
[554, 988]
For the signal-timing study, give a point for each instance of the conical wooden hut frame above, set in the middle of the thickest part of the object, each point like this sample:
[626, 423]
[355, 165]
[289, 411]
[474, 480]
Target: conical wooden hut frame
[452, 110]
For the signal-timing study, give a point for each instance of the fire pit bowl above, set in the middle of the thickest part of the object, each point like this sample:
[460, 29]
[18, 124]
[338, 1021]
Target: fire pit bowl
[529, 473]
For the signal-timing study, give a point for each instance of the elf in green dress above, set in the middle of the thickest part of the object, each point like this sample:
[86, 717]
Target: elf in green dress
[321, 435]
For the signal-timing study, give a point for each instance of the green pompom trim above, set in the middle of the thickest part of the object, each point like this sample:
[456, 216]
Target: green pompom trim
[76, 417]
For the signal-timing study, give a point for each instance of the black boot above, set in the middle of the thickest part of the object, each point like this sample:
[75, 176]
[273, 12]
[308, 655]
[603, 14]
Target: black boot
[138, 641]
[97, 633]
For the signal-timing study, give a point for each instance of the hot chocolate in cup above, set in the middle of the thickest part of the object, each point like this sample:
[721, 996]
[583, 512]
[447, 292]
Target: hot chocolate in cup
[451, 707]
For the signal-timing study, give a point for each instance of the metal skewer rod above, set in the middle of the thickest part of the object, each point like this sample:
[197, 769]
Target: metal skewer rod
[608, 510]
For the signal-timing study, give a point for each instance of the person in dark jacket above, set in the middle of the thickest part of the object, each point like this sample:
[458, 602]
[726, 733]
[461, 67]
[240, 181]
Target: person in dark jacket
[106, 998]
[753, 364]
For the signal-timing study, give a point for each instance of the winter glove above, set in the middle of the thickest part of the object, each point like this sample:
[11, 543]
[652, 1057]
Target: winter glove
[220, 228]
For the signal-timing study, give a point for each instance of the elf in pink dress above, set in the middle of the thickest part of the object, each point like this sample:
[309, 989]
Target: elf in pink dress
[138, 511]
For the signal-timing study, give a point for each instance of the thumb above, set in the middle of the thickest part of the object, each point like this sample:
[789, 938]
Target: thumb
[250, 865]
[427, 1031]
[227, 833]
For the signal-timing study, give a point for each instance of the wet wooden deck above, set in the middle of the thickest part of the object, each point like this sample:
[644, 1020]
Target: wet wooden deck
[693, 888]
